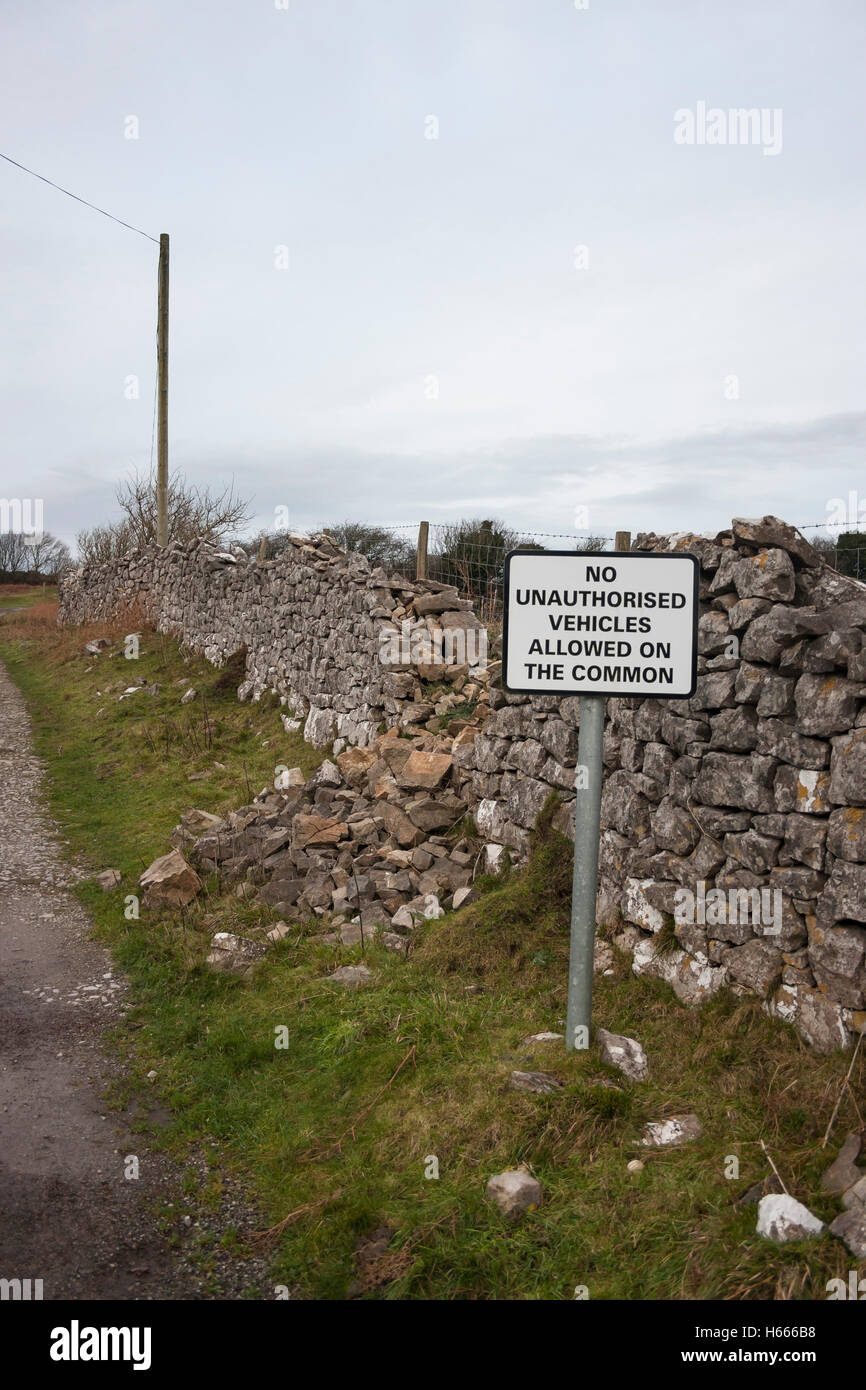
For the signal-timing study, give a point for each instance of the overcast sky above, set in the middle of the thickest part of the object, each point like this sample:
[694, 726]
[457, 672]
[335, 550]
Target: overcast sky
[437, 346]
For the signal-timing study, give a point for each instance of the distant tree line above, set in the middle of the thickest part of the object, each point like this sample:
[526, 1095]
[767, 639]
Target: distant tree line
[31, 559]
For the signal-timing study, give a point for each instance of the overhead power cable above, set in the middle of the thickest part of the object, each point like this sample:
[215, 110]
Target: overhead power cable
[52, 184]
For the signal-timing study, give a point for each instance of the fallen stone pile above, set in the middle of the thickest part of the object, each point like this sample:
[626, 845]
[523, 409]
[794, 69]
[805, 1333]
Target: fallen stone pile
[367, 842]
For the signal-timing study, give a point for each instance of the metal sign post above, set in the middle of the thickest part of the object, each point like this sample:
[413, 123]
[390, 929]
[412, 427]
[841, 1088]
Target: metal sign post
[597, 625]
[587, 811]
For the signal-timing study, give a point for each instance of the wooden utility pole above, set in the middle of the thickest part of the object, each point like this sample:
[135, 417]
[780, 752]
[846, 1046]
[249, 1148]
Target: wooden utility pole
[162, 396]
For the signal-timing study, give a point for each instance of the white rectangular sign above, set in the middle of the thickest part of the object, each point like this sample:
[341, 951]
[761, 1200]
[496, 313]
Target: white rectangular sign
[606, 624]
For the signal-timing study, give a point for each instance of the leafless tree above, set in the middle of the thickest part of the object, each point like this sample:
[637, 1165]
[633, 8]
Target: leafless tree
[380, 545]
[193, 513]
[13, 553]
[48, 556]
[103, 543]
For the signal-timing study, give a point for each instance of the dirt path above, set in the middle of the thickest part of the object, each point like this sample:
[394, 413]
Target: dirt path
[68, 1215]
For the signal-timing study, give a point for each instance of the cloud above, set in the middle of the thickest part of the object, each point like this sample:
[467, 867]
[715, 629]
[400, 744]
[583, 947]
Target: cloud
[697, 481]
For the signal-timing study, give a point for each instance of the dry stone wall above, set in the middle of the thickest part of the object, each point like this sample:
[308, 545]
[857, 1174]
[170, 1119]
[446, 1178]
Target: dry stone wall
[733, 846]
[314, 622]
[736, 818]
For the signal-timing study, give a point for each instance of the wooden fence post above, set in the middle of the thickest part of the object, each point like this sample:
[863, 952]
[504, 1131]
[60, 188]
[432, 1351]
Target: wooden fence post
[623, 540]
[421, 553]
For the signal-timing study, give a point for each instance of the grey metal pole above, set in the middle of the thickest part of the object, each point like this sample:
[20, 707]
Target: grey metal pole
[587, 814]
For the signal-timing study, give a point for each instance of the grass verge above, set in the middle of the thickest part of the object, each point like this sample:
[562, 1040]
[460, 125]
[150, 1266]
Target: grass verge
[341, 1131]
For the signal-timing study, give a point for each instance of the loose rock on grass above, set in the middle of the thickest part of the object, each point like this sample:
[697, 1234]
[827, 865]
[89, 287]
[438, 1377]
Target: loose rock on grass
[782, 1218]
[626, 1054]
[515, 1191]
[352, 976]
[843, 1173]
[235, 955]
[538, 1081]
[677, 1129]
[850, 1227]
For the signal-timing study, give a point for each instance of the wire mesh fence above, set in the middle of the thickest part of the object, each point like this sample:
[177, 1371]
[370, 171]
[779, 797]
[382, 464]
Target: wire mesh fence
[839, 547]
[851, 561]
[470, 555]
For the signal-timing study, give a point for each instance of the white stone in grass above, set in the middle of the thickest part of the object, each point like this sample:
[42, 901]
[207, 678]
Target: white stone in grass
[626, 1054]
[514, 1191]
[678, 1129]
[290, 777]
[782, 1218]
